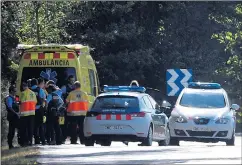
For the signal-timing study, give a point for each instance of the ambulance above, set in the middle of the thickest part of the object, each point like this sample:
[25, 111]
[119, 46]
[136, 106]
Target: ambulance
[57, 62]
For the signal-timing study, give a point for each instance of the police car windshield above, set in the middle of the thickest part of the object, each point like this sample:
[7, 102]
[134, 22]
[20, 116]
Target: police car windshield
[113, 102]
[203, 100]
[58, 74]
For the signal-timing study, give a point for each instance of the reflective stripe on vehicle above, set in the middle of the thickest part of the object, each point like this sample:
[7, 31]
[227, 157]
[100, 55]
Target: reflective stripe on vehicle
[113, 117]
[45, 56]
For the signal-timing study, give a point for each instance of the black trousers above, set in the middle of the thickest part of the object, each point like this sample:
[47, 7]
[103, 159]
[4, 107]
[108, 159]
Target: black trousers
[53, 129]
[39, 127]
[76, 128]
[13, 125]
[26, 129]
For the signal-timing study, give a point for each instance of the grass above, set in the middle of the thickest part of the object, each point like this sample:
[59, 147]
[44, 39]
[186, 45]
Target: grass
[19, 155]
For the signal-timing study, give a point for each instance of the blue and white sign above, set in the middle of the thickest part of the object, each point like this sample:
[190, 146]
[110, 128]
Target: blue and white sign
[177, 79]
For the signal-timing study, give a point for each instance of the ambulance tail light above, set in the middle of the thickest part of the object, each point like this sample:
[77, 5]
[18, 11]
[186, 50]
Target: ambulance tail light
[139, 114]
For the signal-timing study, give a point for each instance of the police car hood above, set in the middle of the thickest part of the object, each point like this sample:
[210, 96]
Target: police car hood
[190, 112]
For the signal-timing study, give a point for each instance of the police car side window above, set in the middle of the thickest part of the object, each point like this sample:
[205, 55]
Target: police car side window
[147, 102]
[153, 102]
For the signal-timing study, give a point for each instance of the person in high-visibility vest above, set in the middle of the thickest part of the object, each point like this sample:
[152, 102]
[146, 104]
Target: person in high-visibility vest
[27, 113]
[77, 106]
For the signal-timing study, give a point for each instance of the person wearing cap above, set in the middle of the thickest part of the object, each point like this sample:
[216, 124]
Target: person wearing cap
[77, 106]
[12, 114]
[54, 106]
[58, 90]
[28, 102]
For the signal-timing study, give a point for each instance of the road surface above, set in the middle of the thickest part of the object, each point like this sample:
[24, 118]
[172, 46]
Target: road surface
[118, 153]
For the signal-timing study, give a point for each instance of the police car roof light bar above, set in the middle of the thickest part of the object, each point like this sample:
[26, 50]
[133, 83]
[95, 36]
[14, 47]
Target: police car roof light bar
[201, 85]
[124, 89]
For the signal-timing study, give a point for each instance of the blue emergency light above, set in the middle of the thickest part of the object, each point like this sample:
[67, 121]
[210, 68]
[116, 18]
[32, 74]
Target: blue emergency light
[202, 85]
[124, 89]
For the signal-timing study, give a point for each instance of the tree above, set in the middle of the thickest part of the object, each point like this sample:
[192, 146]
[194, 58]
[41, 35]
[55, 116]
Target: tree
[9, 39]
[39, 22]
[123, 35]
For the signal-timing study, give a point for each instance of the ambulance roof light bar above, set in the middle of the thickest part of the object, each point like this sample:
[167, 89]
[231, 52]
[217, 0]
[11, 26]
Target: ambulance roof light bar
[69, 46]
[124, 89]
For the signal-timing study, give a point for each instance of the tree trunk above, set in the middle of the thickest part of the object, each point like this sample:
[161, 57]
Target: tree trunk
[37, 22]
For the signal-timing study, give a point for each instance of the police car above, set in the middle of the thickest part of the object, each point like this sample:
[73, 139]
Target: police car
[203, 113]
[125, 113]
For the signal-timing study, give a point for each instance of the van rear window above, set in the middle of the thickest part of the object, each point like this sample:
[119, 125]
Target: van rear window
[57, 74]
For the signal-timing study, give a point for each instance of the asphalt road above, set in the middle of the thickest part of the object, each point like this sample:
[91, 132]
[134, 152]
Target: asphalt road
[118, 153]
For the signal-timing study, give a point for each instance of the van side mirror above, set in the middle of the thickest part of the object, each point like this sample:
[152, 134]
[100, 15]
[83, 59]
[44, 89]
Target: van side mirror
[235, 107]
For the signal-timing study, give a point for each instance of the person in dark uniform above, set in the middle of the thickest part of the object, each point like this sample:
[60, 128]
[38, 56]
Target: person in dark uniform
[12, 114]
[53, 112]
[36, 87]
[66, 89]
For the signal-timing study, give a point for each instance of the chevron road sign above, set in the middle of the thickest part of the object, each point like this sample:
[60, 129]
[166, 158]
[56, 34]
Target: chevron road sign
[177, 79]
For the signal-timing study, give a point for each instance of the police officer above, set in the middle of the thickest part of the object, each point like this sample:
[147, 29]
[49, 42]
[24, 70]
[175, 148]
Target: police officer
[58, 90]
[36, 87]
[27, 115]
[66, 89]
[77, 102]
[12, 114]
[54, 105]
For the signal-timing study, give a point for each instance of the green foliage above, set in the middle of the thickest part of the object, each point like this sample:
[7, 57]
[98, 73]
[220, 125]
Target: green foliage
[136, 40]
[40, 22]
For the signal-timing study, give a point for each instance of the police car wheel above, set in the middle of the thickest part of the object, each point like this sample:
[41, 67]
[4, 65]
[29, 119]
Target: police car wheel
[231, 141]
[148, 140]
[165, 142]
[174, 142]
[89, 142]
[106, 143]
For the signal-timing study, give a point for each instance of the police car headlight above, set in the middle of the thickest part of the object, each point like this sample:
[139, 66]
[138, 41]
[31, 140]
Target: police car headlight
[222, 121]
[181, 119]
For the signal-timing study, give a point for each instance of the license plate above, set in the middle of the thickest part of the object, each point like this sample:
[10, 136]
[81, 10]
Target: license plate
[201, 129]
[114, 127]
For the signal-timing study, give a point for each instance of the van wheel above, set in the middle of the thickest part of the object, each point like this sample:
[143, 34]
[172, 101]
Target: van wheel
[148, 140]
[174, 142]
[231, 141]
[106, 143]
[89, 142]
[166, 142]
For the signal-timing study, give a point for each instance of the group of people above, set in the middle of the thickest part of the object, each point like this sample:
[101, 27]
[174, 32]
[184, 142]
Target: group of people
[46, 112]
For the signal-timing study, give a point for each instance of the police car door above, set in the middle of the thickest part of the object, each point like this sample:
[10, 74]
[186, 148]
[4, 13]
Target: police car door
[160, 119]
[152, 113]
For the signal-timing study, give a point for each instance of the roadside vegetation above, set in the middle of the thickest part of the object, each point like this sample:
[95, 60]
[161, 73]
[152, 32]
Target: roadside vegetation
[131, 40]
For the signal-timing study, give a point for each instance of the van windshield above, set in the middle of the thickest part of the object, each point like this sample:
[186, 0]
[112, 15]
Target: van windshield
[57, 74]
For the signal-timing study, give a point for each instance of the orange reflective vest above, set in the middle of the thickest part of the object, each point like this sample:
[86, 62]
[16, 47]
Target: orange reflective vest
[28, 101]
[78, 103]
